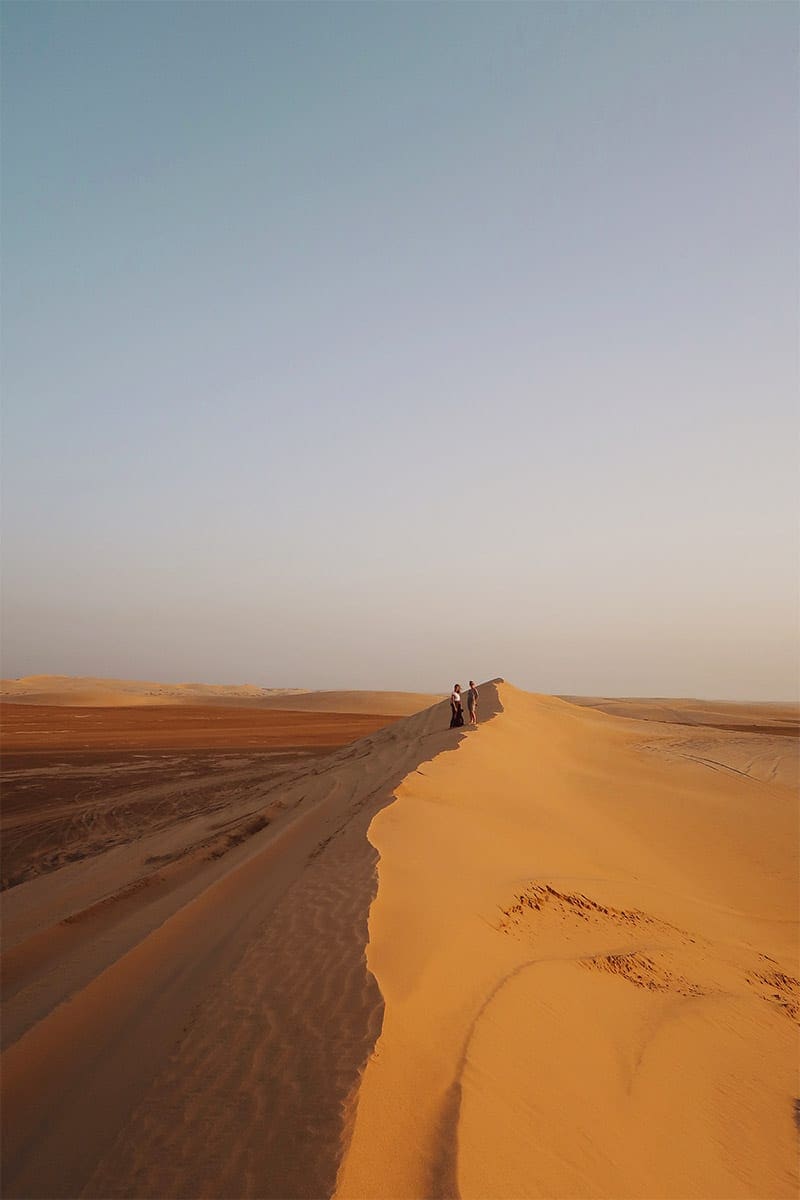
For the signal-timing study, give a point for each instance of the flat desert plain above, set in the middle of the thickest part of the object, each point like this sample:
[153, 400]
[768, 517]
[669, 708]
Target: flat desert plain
[313, 944]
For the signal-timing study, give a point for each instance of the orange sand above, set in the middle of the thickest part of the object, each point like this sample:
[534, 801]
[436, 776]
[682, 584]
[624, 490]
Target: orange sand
[586, 943]
[554, 956]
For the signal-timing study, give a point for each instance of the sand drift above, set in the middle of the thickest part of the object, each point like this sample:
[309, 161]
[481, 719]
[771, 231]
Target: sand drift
[554, 956]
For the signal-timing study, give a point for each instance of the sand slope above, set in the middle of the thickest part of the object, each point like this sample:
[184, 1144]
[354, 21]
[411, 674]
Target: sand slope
[587, 949]
[561, 963]
[188, 1016]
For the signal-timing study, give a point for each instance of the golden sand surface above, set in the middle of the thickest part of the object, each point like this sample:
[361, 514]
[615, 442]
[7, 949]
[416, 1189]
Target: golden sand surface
[587, 944]
[552, 956]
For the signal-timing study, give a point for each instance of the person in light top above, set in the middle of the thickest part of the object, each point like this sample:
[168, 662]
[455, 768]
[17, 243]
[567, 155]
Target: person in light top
[472, 702]
[456, 707]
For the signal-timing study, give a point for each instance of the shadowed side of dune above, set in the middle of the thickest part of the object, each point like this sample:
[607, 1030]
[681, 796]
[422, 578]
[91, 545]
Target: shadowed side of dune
[220, 1055]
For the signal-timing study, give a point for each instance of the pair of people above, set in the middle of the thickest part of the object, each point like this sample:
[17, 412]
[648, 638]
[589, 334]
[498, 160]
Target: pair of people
[457, 706]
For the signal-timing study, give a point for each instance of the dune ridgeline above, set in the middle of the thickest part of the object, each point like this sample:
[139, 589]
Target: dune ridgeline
[554, 956]
[585, 942]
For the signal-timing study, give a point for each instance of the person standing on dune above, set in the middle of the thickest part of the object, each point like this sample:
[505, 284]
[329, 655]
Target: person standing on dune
[456, 707]
[472, 702]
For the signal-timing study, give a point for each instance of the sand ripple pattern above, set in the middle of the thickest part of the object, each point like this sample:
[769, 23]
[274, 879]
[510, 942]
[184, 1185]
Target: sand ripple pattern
[251, 1102]
[256, 1097]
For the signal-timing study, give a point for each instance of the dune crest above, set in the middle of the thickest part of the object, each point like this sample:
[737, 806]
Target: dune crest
[587, 949]
[553, 956]
[214, 970]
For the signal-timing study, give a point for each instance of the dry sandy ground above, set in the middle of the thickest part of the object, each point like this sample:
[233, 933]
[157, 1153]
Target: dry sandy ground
[554, 956]
[766, 717]
[79, 780]
[89, 692]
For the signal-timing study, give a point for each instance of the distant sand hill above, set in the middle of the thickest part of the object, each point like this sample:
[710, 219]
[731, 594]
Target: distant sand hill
[723, 714]
[89, 692]
[551, 957]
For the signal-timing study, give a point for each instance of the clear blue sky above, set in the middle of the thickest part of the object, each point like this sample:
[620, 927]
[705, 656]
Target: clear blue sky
[388, 344]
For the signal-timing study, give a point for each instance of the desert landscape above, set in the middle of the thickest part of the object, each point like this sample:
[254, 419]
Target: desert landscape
[92, 763]
[340, 949]
[354, 349]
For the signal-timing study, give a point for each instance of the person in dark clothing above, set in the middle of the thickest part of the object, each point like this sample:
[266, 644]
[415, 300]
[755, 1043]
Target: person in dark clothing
[456, 707]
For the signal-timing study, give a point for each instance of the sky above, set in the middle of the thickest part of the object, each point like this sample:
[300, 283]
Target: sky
[382, 345]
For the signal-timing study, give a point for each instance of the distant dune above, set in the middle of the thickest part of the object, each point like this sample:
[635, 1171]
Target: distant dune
[88, 692]
[551, 957]
[392, 704]
[772, 716]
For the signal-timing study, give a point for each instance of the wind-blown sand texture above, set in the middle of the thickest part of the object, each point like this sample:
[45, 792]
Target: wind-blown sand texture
[554, 956]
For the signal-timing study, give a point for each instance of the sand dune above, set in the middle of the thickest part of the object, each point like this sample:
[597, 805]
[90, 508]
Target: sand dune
[107, 693]
[766, 717]
[621, 924]
[217, 977]
[392, 704]
[90, 692]
[555, 956]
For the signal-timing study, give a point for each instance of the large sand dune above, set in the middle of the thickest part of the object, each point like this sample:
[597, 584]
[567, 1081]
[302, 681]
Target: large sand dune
[554, 956]
[586, 942]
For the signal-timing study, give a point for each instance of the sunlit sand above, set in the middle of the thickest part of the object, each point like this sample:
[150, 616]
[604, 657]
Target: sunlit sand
[348, 951]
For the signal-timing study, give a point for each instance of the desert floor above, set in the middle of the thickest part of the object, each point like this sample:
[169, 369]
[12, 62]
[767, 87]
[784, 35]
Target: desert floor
[77, 780]
[251, 951]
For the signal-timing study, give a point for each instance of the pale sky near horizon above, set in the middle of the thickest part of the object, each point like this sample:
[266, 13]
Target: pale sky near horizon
[360, 345]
